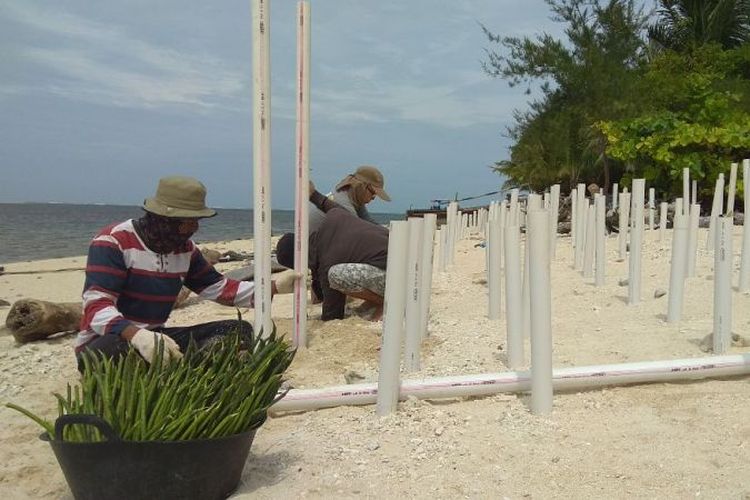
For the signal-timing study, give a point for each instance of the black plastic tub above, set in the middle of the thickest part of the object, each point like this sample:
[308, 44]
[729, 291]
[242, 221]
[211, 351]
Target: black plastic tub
[201, 469]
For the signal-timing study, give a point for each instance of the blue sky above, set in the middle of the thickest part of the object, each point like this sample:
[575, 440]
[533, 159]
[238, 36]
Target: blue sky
[100, 99]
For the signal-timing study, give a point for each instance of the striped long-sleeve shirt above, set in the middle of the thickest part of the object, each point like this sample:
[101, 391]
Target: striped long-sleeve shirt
[128, 284]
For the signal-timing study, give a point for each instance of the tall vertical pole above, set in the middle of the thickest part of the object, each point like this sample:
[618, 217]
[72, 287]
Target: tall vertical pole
[685, 191]
[541, 319]
[624, 223]
[745, 259]
[615, 195]
[663, 207]
[513, 291]
[302, 175]
[677, 266]
[601, 237]
[716, 211]
[428, 249]
[636, 239]
[262, 164]
[732, 189]
[494, 274]
[692, 248]
[722, 337]
[651, 208]
[413, 343]
[554, 216]
[389, 376]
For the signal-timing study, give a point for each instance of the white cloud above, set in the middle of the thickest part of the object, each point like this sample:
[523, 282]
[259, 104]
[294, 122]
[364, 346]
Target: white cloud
[103, 64]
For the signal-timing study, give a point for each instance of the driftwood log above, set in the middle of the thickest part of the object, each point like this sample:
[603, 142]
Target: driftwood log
[31, 319]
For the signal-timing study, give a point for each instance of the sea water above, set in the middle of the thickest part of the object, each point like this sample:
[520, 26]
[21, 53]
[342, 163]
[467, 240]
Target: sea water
[33, 231]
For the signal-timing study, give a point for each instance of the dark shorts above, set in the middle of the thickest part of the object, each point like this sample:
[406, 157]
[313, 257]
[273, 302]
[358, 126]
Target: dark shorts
[114, 346]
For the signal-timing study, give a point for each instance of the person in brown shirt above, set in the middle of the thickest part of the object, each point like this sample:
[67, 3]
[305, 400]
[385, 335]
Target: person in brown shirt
[347, 256]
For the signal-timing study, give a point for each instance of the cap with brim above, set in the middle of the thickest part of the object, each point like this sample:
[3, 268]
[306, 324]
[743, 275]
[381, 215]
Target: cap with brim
[368, 175]
[178, 196]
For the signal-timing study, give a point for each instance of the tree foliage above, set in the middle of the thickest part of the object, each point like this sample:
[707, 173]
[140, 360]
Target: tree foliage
[686, 24]
[583, 79]
[622, 95]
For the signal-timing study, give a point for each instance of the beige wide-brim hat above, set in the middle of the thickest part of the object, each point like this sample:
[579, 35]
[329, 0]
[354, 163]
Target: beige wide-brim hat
[368, 175]
[179, 196]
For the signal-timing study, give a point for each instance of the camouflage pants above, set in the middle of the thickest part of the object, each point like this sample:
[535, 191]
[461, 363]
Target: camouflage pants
[353, 278]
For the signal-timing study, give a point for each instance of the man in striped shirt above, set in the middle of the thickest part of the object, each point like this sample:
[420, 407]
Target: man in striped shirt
[136, 269]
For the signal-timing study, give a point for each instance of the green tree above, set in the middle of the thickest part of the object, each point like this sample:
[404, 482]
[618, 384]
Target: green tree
[695, 114]
[584, 79]
[685, 24]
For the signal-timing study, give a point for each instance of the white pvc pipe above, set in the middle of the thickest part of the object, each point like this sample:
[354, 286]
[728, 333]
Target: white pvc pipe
[514, 208]
[444, 248]
[636, 239]
[722, 337]
[554, 215]
[601, 236]
[590, 245]
[513, 303]
[302, 175]
[503, 219]
[694, 193]
[573, 224]
[651, 208]
[541, 317]
[494, 275]
[412, 346]
[615, 195]
[677, 267]
[686, 191]
[580, 235]
[732, 189]
[716, 211]
[262, 164]
[428, 247]
[579, 378]
[533, 202]
[744, 285]
[663, 207]
[393, 318]
[692, 248]
[624, 224]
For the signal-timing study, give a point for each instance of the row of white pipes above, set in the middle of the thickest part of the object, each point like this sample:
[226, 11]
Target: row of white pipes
[409, 275]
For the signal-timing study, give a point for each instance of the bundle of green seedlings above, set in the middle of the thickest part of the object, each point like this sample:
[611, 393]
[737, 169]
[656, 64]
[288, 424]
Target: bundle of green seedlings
[220, 390]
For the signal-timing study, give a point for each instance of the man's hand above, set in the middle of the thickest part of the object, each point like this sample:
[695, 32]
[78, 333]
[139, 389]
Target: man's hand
[310, 188]
[147, 342]
[285, 281]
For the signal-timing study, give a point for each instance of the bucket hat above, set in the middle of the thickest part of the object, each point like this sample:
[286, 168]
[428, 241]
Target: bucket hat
[178, 196]
[369, 175]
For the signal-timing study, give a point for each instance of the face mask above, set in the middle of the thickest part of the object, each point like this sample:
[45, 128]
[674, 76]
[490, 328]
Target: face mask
[166, 234]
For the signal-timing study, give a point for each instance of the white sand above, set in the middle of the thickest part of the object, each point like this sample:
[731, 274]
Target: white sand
[684, 440]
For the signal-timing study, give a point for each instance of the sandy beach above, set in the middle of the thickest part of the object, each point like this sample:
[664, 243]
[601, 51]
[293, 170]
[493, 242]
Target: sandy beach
[676, 440]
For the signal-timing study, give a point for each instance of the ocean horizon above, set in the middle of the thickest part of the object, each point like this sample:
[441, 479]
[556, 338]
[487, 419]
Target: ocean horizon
[36, 231]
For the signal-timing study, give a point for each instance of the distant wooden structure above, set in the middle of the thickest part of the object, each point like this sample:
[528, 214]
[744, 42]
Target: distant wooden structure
[440, 212]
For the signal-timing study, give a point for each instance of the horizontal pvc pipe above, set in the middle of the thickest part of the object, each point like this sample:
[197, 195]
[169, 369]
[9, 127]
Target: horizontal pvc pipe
[563, 379]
